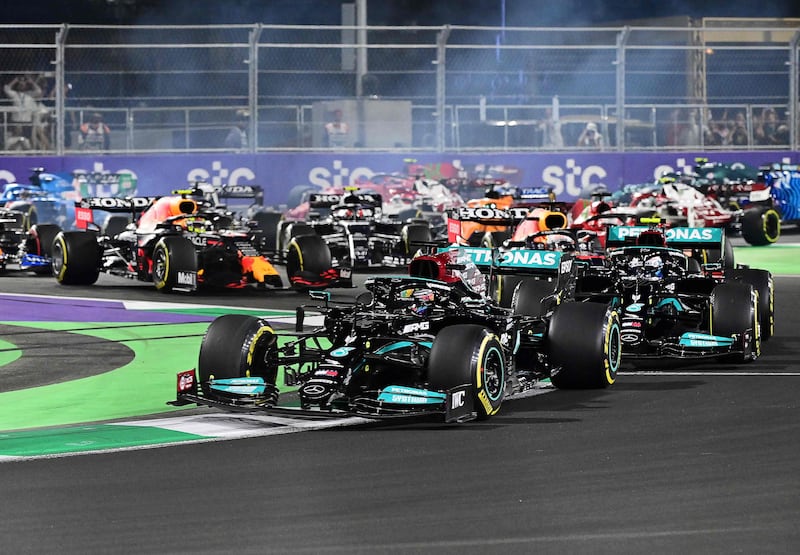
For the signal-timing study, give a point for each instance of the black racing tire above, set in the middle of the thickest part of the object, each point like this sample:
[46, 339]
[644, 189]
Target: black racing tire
[174, 264]
[291, 230]
[584, 345]
[492, 239]
[268, 223]
[734, 310]
[502, 288]
[528, 295]
[415, 233]
[30, 216]
[238, 346]
[763, 283]
[761, 225]
[77, 257]
[724, 255]
[470, 354]
[115, 224]
[40, 241]
[307, 253]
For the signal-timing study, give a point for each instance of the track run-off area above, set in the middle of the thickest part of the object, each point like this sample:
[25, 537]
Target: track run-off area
[83, 375]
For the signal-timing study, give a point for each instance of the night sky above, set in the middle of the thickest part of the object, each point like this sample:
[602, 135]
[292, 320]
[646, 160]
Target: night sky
[522, 13]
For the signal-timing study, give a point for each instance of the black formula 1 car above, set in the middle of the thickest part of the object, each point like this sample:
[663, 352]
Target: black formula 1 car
[416, 346]
[355, 230]
[179, 243]
[674, 303]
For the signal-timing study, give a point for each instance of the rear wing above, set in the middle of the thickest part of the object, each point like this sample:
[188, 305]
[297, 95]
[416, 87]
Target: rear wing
[328, 200]
[130, 205]
[676, 237]
[526, 261]
[483, 215]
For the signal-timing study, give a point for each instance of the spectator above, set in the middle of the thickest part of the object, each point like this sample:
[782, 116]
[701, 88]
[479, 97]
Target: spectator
[766, 132]
[236, 139]
[690, 132]
[550, 129]
[94, 135]
[24, 93]
[336, 131]
[739, 131]
[590, 136]
[15, 140]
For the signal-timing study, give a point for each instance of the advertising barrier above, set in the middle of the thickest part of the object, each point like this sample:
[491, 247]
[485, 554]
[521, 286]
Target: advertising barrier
[570, 174]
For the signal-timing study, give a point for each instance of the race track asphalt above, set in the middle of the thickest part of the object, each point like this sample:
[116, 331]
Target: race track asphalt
[699, 459]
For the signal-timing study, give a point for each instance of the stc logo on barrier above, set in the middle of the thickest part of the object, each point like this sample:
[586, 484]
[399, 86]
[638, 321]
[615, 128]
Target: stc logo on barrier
[221, 176]
[573, 179]
[339, 177]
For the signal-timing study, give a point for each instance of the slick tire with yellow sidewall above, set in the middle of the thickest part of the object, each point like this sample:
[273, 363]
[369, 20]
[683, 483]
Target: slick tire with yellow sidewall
[470, 354]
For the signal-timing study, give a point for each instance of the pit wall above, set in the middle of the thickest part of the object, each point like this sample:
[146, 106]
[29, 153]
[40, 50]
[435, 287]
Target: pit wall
[570, 174]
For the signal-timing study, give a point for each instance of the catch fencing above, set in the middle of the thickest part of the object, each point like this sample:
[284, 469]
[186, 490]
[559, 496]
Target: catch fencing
[722, 84]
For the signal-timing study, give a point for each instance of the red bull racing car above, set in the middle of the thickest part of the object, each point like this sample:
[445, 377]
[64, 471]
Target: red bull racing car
[180, 243]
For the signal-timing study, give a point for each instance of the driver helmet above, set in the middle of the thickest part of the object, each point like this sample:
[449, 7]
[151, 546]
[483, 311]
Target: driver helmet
[654, 266]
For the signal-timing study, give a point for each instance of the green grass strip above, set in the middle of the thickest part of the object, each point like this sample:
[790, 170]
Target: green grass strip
[778, 259]
[8, 352]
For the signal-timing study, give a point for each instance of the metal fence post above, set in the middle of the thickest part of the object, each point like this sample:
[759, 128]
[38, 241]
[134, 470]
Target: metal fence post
[794, 90]
[252, 86]
[622, 41]
[441, 72]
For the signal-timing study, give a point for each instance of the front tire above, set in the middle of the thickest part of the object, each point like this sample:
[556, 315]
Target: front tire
[238, 346]
[174, 264]
[584, 345]
[470, 354]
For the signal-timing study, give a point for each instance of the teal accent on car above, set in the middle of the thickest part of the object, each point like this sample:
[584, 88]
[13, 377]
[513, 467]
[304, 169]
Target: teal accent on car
[402, 395]
[694, 339]
[239, 386]
[514, 258]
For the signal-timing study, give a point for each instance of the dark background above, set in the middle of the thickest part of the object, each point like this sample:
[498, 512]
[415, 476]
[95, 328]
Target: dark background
[524, 13]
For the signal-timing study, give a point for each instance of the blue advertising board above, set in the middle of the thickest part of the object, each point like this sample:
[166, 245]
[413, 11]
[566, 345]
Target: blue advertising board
[570, 174]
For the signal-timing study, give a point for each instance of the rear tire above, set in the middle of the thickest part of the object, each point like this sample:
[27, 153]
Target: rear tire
[115, 224]
[268, 223]
[528, 295]
[414, 233]
[308, 256]
[492, 239]
[735, 311]
[77, 257]
[237, 346]
[762, 282]
[761, 226]
[584, 345]
[174, 264]
[470, 354]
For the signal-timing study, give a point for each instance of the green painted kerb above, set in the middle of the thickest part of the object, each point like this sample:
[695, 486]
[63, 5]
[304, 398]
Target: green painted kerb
[85, 438]
[8, 352]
